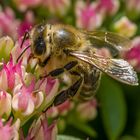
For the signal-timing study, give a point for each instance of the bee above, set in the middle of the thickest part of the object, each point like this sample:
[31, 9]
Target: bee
[64, 50]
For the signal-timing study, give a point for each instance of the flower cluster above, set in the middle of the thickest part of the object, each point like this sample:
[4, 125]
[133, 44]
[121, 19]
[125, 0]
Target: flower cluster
[23, 95]
[16, 28]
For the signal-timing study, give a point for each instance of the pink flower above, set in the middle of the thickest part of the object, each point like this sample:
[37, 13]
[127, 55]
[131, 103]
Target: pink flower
[133, 55]
[5, 131]
[26, 24]
[8, 131]
[41, 130]
[8, 75]
[26, 99]
[58, 7]
[8, 23]
[86, 15]
[49, 86]
[109, 7]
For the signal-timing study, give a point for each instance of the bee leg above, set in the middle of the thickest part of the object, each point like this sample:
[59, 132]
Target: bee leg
[68, 93]
[59, 71]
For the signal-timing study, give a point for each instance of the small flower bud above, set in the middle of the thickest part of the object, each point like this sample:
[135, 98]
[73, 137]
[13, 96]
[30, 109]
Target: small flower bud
[3, 80]
[5, 104]
[125, 27]
[6, 45]
[87, 111]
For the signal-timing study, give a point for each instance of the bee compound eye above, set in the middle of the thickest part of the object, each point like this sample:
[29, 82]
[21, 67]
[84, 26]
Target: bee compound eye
[39, 46]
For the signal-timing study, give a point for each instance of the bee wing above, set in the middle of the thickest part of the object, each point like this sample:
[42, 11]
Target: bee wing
[114, 42]
[118, 69]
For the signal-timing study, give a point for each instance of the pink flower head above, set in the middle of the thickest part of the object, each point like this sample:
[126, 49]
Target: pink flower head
[8, 23]
[6, 131]
[133, 55]
[58, 7]
[86, 15]
[26, 99]
[9, 131]
[41, 130]
[109, 7]
[9, 74]
[50, 87]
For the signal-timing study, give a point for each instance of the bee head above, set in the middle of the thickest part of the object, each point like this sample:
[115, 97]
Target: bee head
[40, 40]
[39, 44]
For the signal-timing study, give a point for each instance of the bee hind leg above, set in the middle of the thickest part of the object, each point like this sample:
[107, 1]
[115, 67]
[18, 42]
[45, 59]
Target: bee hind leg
[68, 93]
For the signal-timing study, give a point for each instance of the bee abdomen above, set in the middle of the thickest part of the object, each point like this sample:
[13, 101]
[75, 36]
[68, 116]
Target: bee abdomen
[90, 85]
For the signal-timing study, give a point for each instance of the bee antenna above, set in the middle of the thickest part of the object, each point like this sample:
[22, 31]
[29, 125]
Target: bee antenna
[26, 35]
[23, 52]
[44, 19]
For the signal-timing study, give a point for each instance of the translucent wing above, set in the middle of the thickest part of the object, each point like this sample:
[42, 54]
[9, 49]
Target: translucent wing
[118, 69]
[114, 42]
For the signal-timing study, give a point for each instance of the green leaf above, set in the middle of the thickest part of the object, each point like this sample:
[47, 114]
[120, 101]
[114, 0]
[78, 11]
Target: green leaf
[137, 126]
[85, 128]
[113, 107]
[82, 126]
[63, 137]
[127, 137]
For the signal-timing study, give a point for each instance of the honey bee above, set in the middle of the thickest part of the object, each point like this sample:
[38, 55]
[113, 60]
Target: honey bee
[62, 49]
